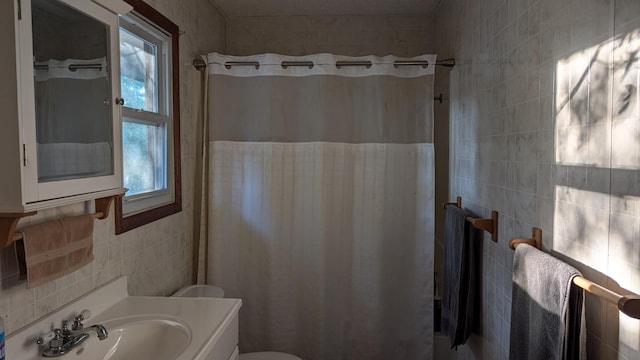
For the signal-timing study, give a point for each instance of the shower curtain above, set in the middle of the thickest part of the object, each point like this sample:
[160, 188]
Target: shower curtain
[320, 203]
[73, 138]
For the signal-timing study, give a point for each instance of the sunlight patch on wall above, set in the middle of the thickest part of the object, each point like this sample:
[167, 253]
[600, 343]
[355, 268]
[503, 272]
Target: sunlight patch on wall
[626, 102]
[582, 122]
[597, 131]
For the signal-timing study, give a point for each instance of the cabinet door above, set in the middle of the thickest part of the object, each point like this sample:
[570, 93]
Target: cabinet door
[70, 115]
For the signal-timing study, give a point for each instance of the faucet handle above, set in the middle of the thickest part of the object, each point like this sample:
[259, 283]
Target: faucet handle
[45, 338]
[58, 339]
[83, 315]
[77, 322]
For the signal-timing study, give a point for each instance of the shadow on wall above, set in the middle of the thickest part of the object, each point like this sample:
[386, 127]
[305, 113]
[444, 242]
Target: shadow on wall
[596, 191]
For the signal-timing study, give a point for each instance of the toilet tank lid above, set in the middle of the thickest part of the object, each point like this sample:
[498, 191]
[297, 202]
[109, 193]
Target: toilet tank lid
[200, 291]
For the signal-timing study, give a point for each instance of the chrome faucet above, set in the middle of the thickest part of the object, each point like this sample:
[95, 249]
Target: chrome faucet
[61, 341]
[100, 330]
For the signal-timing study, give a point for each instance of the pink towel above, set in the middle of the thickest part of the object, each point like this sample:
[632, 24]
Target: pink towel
[53, 249]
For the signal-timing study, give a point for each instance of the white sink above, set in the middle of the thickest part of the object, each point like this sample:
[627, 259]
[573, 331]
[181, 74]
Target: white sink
[140, 327]
[136, 337]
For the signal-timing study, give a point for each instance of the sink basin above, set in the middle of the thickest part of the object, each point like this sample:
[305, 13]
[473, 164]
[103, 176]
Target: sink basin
[136, 337]
[140, 327]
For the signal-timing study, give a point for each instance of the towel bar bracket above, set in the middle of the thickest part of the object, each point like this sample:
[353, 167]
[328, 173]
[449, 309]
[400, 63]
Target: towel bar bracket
[494, 233]
[488, 225]
[536, 239]
[458, 203]
[102, 207]
[482, 224]
[630, 305]
[8, 223]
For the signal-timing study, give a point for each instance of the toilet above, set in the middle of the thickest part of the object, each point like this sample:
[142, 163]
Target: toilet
[200, 291]
[218, 292]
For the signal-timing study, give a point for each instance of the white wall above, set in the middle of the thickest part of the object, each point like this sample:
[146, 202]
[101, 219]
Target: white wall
[343, 35]
[545, 129]
[156, 257]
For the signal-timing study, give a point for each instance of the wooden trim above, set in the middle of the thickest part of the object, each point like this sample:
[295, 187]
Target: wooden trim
[154, 16]
[175, 88]
[122, 223]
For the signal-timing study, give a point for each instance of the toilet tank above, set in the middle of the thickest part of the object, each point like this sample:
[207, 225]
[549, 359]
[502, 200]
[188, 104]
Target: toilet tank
[200, 291]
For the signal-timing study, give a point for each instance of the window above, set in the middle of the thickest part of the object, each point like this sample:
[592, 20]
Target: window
[150, 117]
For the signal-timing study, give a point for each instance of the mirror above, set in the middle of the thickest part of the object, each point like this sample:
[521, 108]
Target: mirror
[72, 93]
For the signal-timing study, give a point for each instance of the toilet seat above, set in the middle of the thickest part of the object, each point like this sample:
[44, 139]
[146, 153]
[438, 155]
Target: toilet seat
[200, 291]
[268, 355]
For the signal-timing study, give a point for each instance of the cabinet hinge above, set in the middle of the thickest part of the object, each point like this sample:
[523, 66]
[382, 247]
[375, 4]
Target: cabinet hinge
[25, 161]
[19, 9]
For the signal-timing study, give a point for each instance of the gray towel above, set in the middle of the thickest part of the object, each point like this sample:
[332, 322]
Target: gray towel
[461, 273]
[546, 308]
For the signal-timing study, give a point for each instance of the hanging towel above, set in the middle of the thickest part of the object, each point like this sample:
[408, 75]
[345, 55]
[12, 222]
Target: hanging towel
[461, 271]
[547, 310]
[53, 249]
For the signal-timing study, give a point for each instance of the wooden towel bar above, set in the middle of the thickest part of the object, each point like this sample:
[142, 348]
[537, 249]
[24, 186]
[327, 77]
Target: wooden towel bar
[8, 222]
[628, 304]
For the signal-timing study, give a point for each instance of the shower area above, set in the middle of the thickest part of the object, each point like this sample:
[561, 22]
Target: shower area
[318, 202]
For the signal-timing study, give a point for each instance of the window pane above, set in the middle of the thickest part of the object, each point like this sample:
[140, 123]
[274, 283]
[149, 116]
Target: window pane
[144, 147]
[138, 72]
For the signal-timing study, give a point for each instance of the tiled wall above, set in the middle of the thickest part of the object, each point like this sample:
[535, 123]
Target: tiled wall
[156, 257]
[545, 128]
[344, 35]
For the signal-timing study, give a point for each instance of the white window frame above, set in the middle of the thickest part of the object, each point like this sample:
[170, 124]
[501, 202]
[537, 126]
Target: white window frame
[139, 209]
[136, 25]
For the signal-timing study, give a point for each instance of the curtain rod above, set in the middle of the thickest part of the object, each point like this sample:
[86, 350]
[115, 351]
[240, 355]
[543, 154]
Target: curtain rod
[450, 62]
[71, 67]
[200, 64]
[230, 64]
[286, 64]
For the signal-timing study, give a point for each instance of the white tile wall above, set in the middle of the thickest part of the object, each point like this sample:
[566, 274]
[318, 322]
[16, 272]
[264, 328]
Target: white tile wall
[156, 257]
[544, 128]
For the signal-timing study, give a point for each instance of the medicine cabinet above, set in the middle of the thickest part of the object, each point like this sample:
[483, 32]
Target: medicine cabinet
[60, 141]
